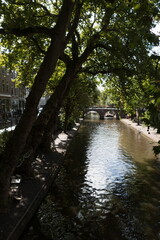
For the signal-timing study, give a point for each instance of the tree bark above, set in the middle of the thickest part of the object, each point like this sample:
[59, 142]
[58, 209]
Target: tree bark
[50, 127]
[16, 144]
[52, 107]
[49, 114]
[68, 112]
[49, 133]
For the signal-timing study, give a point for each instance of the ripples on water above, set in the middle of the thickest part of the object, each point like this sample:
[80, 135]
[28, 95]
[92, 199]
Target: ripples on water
[108, 189]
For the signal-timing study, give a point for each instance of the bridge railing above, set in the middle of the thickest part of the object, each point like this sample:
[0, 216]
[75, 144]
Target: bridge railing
[102, 108]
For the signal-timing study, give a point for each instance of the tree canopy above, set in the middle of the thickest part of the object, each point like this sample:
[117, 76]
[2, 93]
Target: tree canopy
[106, 39]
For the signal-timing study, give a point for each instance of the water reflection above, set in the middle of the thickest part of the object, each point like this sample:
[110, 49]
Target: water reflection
[107, 163]
[108, 189]
[140, 151]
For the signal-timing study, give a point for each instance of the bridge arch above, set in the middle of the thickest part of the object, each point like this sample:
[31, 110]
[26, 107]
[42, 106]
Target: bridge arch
[102, 111]
[92, 112]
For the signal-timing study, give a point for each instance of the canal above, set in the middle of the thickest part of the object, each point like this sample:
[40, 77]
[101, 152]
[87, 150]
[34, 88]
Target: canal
[108, 188]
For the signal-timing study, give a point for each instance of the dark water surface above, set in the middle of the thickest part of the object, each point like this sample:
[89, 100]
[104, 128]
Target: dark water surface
[108, 189]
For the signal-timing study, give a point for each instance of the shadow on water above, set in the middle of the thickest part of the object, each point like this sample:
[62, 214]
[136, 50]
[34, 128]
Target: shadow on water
[108, 189]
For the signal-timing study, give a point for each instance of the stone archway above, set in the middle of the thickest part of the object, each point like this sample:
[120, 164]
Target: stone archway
[102, 111]
[86, 113]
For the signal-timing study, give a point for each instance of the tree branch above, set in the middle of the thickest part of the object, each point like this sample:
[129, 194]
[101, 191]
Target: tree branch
[105, 71]
[27, 31]
[74, 48]
[45, 9]
[75, 22]
[48, 13]
[90, 47]
[65, 58]
[94, 41]
[37, 45]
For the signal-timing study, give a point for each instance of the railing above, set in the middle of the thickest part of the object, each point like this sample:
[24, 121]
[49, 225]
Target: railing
[105, 108]
[9, 122]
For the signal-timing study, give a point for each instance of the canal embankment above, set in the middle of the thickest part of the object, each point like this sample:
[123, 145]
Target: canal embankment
[33, 190]
[150, 133]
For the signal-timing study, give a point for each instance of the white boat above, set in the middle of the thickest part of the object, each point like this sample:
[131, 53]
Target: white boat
[109, 116]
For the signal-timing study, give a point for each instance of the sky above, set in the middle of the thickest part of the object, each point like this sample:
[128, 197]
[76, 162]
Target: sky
[156, 30]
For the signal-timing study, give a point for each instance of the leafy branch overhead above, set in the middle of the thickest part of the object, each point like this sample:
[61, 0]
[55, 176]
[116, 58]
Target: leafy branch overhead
[56, 45]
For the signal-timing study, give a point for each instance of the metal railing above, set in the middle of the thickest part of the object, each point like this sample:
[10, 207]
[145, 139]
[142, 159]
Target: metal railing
[9, 122]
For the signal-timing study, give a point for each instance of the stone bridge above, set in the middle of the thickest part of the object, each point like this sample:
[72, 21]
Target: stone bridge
[102, 111]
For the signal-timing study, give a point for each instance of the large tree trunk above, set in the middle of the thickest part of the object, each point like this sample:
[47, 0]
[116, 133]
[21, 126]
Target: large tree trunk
[16, 144]
[50, 130]
[68, 111]
[48, 115]
[55, 102]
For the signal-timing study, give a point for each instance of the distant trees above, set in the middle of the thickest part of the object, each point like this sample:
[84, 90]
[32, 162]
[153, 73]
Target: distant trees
[106, 39]
[138, 93]
[83, 93]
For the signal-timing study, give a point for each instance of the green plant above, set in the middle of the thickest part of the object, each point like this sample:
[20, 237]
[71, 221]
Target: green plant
[156, 149]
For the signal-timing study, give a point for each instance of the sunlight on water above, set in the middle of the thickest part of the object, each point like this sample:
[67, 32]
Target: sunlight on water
[107, 162]
[108, 189]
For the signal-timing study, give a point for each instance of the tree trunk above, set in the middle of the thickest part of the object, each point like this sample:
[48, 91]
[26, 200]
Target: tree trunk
[49, 132]
[16, 144]
[53, 105]
[4, 191]
[66, 122]
[68, 112]
[49, 114]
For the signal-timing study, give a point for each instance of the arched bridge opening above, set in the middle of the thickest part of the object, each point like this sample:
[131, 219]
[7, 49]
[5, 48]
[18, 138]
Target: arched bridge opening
[91, 114]
[103, 111]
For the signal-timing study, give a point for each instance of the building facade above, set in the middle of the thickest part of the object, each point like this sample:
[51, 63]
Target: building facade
[12, 98]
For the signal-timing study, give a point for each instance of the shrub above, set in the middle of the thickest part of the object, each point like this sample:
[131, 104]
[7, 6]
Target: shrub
[156, 149]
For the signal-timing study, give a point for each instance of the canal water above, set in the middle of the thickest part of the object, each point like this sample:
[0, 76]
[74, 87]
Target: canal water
[108, 188]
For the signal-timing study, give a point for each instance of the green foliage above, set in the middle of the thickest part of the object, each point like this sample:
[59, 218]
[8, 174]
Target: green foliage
[24, 51]
[146, 118]
[117, 35]
[156, 149]
[82, 94]
[124, 28]
[56, 77]
[138, 90]
[154, 116]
